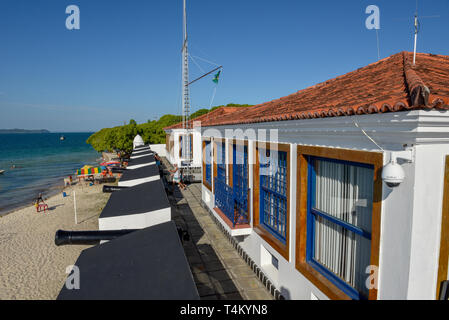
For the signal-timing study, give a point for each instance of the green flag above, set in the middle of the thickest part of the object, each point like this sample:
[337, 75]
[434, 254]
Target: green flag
[216, 77]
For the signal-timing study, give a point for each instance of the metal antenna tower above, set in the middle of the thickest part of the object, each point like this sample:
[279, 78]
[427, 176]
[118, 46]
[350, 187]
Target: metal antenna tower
[186, 142]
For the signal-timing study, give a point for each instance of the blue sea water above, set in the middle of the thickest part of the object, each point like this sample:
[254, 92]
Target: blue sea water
[42, 160]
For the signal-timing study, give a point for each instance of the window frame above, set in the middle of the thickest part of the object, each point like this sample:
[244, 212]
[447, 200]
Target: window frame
[205, 182]
[276, 244]
[167, 142]
[444, 240]
[172, 145]
[302, 195]
[215, 155]
[244, 143]
[180, 143]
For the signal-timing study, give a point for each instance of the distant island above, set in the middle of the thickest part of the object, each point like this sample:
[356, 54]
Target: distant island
[23, 131]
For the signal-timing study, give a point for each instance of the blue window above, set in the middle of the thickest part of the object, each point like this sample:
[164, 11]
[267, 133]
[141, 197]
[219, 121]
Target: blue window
[223, 193]
[240, 182]
[221, 161]
[340, 202]
[208, 168]
[273, 192]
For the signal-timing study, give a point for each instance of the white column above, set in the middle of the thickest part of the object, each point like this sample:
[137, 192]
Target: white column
[251, 161]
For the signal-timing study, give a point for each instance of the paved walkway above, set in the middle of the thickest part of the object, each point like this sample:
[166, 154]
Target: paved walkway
[218, 270]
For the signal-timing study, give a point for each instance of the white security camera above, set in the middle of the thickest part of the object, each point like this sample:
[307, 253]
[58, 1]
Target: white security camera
[393, 174]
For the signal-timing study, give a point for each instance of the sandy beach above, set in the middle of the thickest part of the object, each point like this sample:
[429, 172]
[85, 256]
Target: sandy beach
[31, 266]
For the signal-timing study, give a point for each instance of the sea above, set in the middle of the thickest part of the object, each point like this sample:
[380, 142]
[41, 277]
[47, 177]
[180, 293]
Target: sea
[42, 161]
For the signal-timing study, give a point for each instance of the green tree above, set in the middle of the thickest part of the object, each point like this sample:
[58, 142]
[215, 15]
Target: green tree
[121, 138]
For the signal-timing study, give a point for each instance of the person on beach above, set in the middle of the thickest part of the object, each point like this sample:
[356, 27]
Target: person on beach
[158, 159]
[176, 174]
[39, 200]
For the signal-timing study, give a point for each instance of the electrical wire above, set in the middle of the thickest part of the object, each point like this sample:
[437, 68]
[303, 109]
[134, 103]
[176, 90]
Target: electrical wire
[355, 123]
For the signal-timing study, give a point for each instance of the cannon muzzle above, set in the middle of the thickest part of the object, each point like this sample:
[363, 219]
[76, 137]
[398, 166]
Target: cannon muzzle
[63, 237]
[110, 189]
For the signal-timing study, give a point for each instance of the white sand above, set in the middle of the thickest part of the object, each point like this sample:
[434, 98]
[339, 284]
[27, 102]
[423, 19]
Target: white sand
[31, 265]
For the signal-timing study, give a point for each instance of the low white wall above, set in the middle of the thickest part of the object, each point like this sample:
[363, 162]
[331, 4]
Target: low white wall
[135, 221]
[159, 149]
[135, 182]
[208, 197]
[137, 166]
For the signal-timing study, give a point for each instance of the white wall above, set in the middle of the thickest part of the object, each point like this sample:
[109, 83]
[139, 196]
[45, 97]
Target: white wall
[197, 148]
[159, 149]
[426, 220]
[135, 221]
[135, 182]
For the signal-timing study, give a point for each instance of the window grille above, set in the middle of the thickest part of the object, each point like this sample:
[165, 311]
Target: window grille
[273, 192]
[221, 161]
[208, 162]
[240, 182]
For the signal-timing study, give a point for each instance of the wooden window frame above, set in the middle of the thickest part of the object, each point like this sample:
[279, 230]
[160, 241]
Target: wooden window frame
[444, 241]
[366, 157]
[172, 145]
[205, 183]
[167, 142]
[281, 248]
[231, 171]
[179, 145]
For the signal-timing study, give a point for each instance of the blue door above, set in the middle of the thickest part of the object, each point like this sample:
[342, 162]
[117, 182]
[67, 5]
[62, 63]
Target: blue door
[240, 183]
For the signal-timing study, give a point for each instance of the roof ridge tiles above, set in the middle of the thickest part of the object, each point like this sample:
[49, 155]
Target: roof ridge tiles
[418, 91]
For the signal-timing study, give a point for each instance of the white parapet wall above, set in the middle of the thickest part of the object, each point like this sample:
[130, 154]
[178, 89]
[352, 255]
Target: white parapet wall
[135, 221]
[137, 166]
[135, 182]
[159, 149]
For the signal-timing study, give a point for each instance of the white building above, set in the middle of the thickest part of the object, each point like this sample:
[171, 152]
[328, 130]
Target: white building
[176, 133]
[297, 183]
[138, 142]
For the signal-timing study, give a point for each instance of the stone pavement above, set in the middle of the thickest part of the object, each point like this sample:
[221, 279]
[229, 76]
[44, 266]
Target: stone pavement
[218, 270]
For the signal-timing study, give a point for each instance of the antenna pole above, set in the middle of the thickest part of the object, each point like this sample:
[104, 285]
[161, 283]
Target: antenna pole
[185, 90]
[416, 38]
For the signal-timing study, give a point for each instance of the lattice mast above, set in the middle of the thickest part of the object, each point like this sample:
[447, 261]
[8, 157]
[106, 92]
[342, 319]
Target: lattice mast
[186, 154]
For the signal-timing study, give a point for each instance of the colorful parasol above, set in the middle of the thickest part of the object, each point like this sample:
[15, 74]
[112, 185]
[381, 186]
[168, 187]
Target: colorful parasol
[90, 170]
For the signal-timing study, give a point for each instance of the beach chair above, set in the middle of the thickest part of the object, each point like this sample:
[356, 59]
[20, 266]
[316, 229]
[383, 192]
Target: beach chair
[41, 207]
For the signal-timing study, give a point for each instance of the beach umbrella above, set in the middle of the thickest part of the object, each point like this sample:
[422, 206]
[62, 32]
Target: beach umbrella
[90, 170]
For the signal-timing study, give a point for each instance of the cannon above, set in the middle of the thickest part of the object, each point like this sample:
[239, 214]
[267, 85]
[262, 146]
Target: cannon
[63, 237]
[110, 189]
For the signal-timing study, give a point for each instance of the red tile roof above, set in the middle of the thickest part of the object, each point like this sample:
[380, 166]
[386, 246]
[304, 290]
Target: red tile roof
[208, 116]
[389, 85]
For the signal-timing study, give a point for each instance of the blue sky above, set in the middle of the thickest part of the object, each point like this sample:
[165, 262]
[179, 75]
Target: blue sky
[125, 61]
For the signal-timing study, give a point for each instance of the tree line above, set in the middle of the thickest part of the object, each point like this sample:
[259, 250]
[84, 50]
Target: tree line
[120, 138]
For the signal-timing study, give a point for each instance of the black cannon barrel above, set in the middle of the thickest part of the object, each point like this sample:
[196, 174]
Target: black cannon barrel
[63, 237]
[110, 189]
